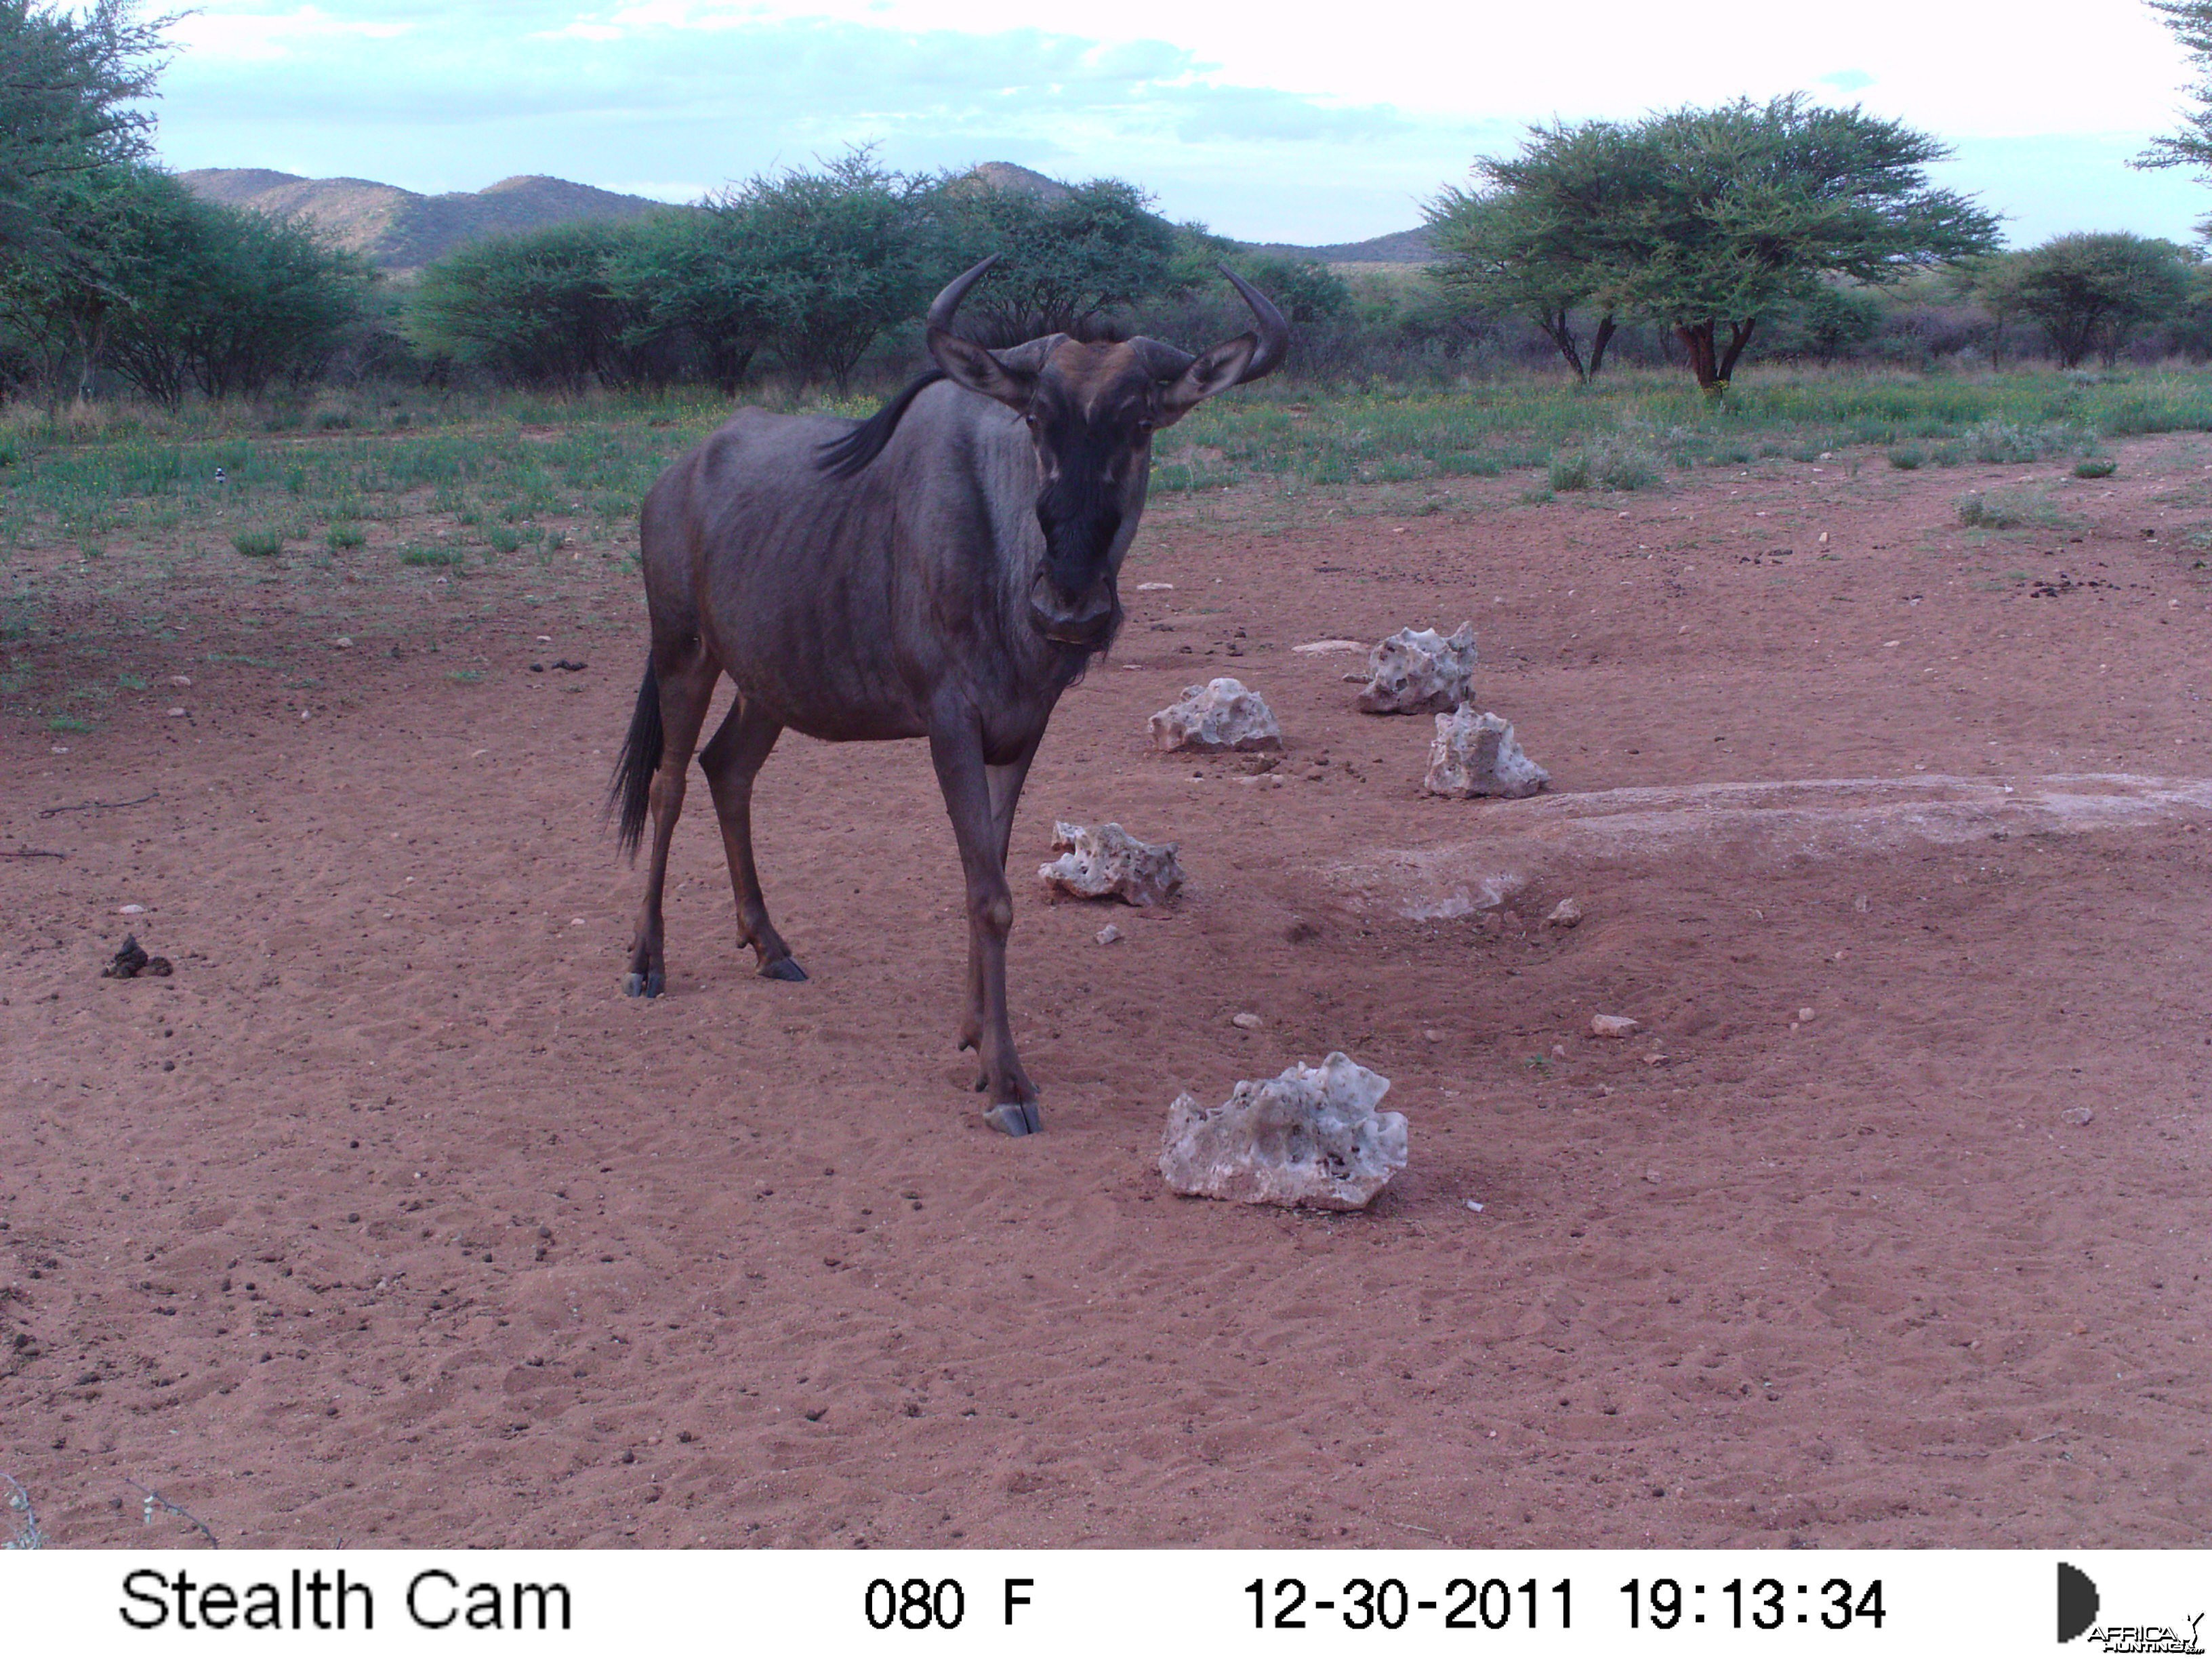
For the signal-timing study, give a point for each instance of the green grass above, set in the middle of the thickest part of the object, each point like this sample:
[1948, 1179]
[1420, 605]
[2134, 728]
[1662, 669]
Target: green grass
[2096, 467]
[258, 543]
[430, 555]
[342, 537]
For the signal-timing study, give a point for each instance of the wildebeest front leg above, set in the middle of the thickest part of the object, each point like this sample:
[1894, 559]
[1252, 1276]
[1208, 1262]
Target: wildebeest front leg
[1006, 784]
[731, 761]
[957, 747]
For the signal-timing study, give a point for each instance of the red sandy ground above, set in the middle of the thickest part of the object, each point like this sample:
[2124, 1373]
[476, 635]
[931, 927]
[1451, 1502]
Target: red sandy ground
[432, 1237]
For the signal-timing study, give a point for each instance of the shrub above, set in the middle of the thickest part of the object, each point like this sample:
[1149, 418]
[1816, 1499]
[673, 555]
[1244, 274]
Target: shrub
[429, 556]
[2004, 509]
[501, 539]
[1907, 459]
[258, 543]
[1572, 471]
[2095, 467]
[345, 536]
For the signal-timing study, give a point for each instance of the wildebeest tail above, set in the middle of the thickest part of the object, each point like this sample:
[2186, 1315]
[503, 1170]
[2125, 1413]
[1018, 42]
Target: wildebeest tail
[631, 792]
[842, 457]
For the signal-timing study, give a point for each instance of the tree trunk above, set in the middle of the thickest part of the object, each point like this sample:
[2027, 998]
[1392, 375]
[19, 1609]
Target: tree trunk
[1738, 338]
[1697, 339]
[1554, 324]
[1604, 337]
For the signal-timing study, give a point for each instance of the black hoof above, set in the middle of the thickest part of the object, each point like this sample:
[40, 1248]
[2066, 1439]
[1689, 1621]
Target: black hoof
[645, 985]
[783, 968]
[1016, 1117]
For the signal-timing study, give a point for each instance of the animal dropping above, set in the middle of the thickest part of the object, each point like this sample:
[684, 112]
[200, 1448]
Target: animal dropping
[1109, 862]
[1476, 756]
[1310, 1138]
[1419, 673]
[1220, 715]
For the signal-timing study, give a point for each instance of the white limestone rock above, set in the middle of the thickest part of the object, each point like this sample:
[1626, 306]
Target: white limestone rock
[1221, 714]
[1419, 673]
[1109, 862]
[1310, 1137]
[1475, 755]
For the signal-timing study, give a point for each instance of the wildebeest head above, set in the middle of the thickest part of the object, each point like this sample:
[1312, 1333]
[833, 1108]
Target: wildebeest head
[1091, 411]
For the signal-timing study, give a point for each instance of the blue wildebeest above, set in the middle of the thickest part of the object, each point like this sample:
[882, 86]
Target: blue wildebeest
[944, 569]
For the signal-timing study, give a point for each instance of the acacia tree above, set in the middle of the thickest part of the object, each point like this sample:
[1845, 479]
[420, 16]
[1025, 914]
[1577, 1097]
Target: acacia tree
[2093, 291]
[1531, 242]
[1064, 261]
[1707, 220]
[2191, 21]
[72, 79]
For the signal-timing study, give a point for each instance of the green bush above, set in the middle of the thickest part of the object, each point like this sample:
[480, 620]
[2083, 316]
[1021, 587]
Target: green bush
[1907, 459]
[1572, 471]
[2095, 467]
[429, 556]
[342, 537]
[501, 539]
[2005, 509]
[258, 543]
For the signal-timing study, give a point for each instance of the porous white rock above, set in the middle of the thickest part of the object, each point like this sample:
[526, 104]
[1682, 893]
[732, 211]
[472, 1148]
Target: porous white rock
[1221, 714]
[1565, 914]
[1475, 755]
[1325, 648]
[1109, 862]
[1418, 673]
[1310, 1137]
[1613, 1025]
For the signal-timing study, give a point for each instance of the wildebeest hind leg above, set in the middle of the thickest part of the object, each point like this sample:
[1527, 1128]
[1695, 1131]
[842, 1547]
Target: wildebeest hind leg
[731, 761]
[687, 686]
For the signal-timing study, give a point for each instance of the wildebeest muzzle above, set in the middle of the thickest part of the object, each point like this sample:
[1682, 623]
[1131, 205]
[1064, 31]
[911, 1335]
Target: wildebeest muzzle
[1088, 620]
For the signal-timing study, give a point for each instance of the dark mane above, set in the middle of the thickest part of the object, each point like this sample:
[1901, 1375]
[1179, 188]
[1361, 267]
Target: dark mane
[841, 458]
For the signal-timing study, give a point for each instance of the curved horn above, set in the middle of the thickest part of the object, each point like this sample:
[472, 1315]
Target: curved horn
[1274, 332]
[942, 308]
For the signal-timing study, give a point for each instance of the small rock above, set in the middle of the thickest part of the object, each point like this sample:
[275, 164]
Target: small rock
[1805, 1016]
[1652, 1173]
[1108, 934]
[1475, 755]
[131, 910]
[1310, 1136]
[1432, 1036]
[1474, 1206]
[1565, 914]
[1419, 673]
[1156, 587]
[180, 681]
[344, 642]
[2079, 1116]
[176, 713]
[1109, 862]
[1613, 1025]
[1655, 1060]
[1221, 714]
[1246, 1022]
[1324, 647]
[1559, 1051]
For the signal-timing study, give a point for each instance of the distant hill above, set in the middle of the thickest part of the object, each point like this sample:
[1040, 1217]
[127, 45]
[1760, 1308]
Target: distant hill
[400, 230]
[1399, 247]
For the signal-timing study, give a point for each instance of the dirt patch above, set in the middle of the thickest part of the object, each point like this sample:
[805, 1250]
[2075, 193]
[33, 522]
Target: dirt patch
[386, 1220]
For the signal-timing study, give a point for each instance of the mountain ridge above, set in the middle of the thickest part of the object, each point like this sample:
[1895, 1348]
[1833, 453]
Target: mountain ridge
[400, 230]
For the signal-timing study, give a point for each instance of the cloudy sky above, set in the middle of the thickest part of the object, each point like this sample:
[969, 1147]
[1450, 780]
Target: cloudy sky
[1294, 123]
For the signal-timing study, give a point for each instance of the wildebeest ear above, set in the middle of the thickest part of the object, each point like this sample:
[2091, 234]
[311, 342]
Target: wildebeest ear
[965, 364]
[1213, 371]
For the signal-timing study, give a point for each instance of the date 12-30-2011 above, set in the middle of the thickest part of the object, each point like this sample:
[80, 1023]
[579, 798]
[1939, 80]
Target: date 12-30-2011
[1387, 1604]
